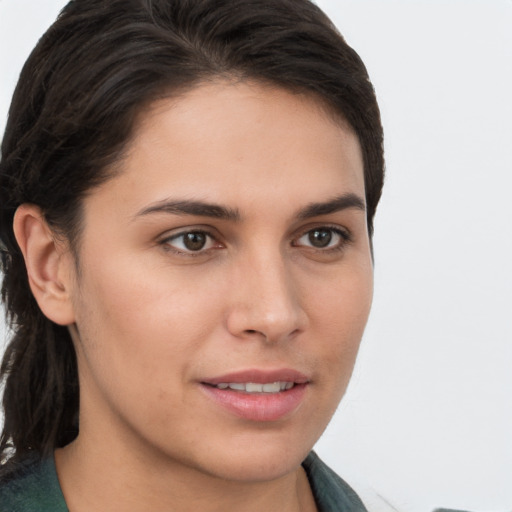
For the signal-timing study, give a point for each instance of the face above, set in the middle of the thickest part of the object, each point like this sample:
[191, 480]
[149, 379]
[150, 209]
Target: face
[225, 282]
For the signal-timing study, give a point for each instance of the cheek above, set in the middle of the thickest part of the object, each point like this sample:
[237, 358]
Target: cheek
[135, 294]
[339, 314]
[342, 303]
[142, 328]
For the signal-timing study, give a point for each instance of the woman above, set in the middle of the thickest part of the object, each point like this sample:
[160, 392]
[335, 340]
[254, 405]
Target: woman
[188, 190]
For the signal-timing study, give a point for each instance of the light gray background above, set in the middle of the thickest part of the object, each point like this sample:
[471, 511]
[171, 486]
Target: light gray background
[427, 420]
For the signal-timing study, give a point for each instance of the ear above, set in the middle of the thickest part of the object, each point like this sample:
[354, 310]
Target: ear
[49, 262]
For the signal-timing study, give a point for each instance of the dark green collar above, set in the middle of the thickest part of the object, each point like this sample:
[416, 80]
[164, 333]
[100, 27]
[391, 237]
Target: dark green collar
[32, 486]
[332, 494]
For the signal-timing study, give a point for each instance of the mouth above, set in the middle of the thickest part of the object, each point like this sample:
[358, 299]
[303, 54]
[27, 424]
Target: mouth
[262, 396]
[255, 387]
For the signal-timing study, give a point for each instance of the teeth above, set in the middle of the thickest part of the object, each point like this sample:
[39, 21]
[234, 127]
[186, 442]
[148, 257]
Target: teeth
[250, 387]
[237, 386]
[274, 387]
[253, 387]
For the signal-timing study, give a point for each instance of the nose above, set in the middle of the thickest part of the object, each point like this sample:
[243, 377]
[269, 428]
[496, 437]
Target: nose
[266, 302]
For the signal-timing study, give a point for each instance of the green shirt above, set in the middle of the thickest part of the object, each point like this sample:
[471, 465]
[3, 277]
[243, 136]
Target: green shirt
[34, 487]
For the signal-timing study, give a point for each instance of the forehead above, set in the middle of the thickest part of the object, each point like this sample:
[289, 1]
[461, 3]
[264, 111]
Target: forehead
[229, 140]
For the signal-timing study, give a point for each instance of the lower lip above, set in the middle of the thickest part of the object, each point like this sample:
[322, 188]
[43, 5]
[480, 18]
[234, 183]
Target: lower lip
[258, 406]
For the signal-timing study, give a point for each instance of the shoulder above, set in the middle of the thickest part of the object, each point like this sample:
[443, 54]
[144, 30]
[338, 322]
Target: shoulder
[30, 486]
[332, 494]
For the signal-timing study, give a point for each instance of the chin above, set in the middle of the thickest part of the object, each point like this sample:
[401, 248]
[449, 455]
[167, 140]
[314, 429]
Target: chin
[256, 460]
[259, 467]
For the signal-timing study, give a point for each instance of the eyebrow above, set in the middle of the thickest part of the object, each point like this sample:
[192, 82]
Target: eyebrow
[343, 202]
[203, 209]
[198, 208]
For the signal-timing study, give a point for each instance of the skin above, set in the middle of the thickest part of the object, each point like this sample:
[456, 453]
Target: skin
[151, 319]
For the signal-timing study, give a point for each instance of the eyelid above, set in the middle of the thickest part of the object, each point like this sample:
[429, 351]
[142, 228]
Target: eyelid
[166, 239]
[345, 235]
[214, 244]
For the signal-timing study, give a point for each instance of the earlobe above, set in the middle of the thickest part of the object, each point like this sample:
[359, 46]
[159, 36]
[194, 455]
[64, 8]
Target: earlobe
[49, 264]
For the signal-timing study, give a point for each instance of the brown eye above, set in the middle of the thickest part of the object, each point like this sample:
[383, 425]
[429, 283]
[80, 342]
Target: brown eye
[320, 238]
[190, 242]
[325, 238]
[194, 241]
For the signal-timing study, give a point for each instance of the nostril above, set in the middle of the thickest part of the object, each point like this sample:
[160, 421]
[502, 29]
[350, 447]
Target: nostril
[252, 332]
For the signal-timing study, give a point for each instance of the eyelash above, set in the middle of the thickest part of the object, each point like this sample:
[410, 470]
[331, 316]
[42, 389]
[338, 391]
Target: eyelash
[166, 243]
[344, 239]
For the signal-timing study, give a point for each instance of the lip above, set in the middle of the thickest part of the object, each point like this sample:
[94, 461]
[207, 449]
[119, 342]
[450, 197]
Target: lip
[258, 407]
[260, 376]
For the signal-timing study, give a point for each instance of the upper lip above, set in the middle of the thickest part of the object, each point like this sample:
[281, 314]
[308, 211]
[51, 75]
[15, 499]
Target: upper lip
[260, 376]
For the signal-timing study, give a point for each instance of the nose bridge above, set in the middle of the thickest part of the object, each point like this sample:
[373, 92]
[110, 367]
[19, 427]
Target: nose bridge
[266, 299]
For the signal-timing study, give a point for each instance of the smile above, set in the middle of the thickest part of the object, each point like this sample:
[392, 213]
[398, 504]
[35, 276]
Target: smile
[254, 387]
[258, 395]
